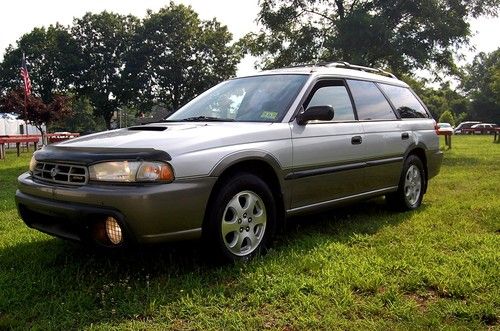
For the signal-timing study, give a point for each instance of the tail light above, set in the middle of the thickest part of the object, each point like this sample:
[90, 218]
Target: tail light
[436, 127]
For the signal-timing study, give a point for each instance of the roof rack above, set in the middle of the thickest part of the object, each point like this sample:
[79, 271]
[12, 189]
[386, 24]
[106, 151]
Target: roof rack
[347, 65]
[342, 64]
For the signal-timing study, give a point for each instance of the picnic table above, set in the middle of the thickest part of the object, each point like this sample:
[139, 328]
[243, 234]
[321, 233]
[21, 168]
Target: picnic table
[496, 137]
[17, 140]
[447, 137]
[60, 136]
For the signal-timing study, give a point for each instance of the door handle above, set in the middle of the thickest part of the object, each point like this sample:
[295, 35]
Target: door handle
[356, 140]
[405, 135]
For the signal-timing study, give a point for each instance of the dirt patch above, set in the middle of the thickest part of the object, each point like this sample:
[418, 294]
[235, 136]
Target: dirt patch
[423, 300]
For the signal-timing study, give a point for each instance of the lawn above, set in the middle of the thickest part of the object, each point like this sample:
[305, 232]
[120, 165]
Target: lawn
[359, 267]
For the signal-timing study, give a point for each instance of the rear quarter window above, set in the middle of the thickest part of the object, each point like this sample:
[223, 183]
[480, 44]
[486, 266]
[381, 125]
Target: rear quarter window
[405, 102]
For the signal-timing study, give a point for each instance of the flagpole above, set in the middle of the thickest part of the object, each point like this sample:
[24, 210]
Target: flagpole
[25, 103]
[26, 111]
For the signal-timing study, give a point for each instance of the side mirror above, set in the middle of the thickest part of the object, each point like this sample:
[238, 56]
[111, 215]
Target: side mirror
[315, 113]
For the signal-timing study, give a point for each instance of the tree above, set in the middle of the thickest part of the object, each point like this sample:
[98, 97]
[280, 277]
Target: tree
[52, 59]
[175, 56]
[440, 100]
[447, 117]
[103, 41]
[482, 84]
[82, 118]
[400, 35]
[34, 110]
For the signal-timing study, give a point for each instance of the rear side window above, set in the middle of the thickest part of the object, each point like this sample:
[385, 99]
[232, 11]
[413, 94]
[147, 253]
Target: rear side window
[405, 102]
[333, 93]
[370, 103]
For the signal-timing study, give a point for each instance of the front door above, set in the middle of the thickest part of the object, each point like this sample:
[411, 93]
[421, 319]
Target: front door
[327, 155]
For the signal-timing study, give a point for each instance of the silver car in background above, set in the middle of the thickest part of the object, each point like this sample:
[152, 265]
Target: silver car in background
[230, 166]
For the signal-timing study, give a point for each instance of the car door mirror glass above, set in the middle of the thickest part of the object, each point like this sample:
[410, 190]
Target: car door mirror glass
[315, 113]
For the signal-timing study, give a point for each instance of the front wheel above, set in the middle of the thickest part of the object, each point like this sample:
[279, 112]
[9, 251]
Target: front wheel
[241, 219]
[411, 186]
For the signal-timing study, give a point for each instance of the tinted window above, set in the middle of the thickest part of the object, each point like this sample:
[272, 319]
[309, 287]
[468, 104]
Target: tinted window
[333, 94]
[370, 102]
[405, 102]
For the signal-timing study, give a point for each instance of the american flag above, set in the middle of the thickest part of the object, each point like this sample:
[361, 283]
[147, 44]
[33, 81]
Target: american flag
[26, 77]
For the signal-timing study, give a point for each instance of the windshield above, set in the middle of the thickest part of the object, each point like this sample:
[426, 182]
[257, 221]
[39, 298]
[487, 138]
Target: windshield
[249, 99]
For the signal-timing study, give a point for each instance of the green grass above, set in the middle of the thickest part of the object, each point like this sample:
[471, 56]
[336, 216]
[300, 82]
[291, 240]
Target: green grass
[359, 267]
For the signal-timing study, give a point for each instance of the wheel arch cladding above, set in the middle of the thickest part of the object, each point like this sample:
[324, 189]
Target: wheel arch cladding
[420, 153]
[255, 166]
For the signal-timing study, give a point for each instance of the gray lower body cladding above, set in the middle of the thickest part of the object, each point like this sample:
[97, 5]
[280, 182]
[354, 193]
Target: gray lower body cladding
[148, 213]
[434, 161]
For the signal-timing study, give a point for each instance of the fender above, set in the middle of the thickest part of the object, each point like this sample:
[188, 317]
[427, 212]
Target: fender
[256, 155]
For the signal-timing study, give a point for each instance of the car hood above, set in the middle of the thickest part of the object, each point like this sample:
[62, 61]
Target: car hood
[179, 138]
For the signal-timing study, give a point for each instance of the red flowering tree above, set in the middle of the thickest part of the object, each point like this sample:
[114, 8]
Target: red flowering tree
[33, 110]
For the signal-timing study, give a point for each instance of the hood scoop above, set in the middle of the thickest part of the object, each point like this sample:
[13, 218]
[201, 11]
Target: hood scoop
[147, 128]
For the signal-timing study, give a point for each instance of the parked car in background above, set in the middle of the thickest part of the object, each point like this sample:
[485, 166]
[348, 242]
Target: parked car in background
[464, 125]
[231, 165]
[483, 128]
[444, 128]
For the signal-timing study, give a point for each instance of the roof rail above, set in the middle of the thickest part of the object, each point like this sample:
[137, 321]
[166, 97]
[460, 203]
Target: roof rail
[347, 65]
[343, 64]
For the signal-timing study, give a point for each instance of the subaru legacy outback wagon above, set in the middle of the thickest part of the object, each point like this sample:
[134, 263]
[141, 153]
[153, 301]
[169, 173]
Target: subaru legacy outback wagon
[236, 161]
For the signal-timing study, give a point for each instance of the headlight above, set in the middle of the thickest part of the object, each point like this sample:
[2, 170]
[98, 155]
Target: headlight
[131, 171]
[32, 163]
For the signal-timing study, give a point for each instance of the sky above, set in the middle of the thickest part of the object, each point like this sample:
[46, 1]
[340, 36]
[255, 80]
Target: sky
[239, 15]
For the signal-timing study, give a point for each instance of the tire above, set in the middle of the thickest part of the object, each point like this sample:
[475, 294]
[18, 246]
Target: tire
[240, 220]
[411, 188]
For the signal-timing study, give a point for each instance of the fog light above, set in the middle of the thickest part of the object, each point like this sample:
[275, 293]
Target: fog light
[113, 230]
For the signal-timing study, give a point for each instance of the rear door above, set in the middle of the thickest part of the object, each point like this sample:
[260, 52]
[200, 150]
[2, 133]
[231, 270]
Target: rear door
[385, 140]
[327, 154]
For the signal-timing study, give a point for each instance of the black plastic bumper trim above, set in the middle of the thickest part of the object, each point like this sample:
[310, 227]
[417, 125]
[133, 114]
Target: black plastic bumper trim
[91, 155]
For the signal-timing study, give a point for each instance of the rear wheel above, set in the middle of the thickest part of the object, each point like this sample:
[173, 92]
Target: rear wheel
[241, 219]
[411, 186]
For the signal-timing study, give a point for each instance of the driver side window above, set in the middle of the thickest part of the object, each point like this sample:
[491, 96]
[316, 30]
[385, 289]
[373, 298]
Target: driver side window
[332, 93]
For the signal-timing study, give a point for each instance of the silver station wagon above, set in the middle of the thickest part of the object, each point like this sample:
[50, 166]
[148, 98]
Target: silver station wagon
[231, 165]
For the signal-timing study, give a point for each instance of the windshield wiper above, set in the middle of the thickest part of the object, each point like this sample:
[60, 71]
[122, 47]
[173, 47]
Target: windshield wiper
[206, 119]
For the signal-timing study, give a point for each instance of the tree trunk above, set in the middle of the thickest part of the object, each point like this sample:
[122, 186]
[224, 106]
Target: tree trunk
[107, 119]
[340, 8]
[44, 136]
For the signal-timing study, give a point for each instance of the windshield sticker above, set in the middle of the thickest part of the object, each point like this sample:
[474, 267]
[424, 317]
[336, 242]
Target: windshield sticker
[269, 115]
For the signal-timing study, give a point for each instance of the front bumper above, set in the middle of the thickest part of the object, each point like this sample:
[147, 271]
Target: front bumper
[147, 213]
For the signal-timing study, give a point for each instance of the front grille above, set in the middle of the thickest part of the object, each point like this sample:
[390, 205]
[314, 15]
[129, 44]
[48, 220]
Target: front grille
[61, 173]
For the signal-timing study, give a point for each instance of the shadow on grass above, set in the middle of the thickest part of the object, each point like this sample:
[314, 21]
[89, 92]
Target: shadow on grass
[41, 281]
[462, 161]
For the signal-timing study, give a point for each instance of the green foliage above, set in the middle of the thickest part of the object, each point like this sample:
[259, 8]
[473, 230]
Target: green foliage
[482, 85]
[103, 41]
[82, 119]
[440, 100]
[361, 267]
[120, 62]
[400, 35]
[447, 117]
[176, 56]
[53, 61]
